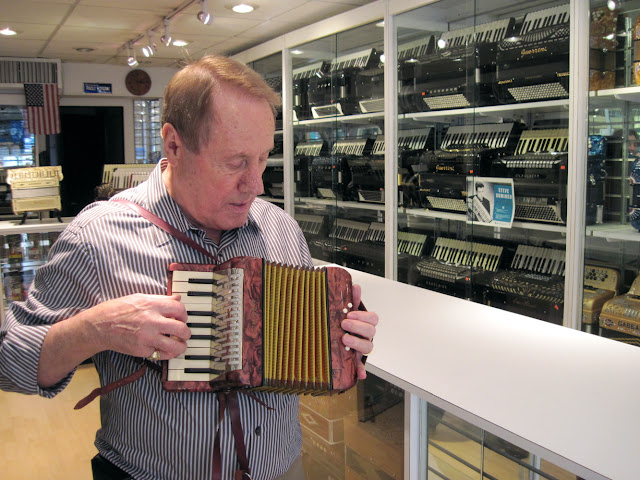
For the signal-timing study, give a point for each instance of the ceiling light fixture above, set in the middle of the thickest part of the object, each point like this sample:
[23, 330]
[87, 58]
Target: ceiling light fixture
[150, 49]
[7, 31]
[132, 61]
[180, 43]
[203, 15]
[242, 8]
[166, 38]
[84, 49]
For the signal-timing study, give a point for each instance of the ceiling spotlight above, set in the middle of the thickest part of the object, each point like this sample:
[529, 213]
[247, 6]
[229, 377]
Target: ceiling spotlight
[611, 4]
[203, 15]
[242, 8]
[442, 43]
[150, 49]
[132, 61]
[7, 31]
[166, 38]
[180, 43]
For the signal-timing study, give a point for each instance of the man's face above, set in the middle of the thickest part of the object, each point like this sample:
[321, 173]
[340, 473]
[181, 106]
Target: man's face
[217, 185]
[480, 192]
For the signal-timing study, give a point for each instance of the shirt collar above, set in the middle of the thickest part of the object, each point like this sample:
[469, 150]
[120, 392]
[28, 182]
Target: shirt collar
[162, 204]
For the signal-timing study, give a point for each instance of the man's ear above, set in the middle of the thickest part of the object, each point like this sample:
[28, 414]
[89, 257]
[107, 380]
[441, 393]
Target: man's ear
[173, 146]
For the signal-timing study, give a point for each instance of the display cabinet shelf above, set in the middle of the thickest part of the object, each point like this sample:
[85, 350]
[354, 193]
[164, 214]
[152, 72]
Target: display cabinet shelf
[511, 111]
[629, 94]
[328, 121]
[614, 233]
[460, 217]
[341, 204]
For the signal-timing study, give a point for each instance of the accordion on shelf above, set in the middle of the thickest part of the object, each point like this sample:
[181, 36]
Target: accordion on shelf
[264, 326]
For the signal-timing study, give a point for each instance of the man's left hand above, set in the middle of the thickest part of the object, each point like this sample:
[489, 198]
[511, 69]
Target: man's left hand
[363, 327]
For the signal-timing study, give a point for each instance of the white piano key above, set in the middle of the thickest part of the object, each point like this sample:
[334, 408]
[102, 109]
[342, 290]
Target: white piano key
[183, 287]
[185, 275]
[181, 364]
[206, 350]
[193, 343]
[202, 331]
[181, 376]
[201, 319]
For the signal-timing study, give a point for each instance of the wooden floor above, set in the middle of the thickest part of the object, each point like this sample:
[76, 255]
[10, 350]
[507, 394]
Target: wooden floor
[46, 438]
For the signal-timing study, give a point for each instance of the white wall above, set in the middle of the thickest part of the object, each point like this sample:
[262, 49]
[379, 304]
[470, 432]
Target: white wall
[75, 75]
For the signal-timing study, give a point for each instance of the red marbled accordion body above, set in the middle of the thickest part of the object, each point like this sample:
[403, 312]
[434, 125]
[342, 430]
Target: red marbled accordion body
[252, 375]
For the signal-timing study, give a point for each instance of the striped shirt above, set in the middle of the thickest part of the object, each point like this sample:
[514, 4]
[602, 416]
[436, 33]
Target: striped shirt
[109, 251]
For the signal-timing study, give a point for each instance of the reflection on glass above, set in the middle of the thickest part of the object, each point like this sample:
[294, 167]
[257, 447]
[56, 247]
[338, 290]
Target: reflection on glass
[457, 449]
[355, 435]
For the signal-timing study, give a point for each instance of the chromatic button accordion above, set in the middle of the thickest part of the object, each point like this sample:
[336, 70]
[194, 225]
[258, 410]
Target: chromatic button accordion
[262, 326]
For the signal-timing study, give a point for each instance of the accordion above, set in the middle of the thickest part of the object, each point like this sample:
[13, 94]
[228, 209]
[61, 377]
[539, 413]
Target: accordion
[262, 326]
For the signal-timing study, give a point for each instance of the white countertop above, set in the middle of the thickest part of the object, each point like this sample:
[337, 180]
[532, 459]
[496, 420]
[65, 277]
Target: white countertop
[572, 396]
[32, 225]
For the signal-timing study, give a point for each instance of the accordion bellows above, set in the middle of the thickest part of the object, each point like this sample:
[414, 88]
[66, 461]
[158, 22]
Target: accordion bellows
[263, 326]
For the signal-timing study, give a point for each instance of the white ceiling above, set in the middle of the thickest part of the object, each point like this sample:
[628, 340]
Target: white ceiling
[56, 28]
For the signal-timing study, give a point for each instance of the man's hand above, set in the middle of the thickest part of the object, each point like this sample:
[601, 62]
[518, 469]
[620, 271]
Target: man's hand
[140, 324]
[136, 325]
[363, 327]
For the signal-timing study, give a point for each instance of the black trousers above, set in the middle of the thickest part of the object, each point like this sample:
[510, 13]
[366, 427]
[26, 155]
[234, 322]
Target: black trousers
[103, 469]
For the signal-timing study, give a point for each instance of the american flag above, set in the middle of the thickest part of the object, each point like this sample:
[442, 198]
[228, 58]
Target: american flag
[43, 108]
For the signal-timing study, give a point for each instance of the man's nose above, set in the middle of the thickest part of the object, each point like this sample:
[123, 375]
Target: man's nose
[253, 181]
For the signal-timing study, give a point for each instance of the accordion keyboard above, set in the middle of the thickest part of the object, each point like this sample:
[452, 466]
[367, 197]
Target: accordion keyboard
[536, 273]
[452, 260]
[214, 307]
[493, 135]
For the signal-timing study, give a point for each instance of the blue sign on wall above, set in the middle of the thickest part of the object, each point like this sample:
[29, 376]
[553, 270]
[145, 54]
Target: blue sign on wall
[97, 88]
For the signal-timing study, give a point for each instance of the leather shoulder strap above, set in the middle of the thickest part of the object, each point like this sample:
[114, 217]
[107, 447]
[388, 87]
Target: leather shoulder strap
[166, 226]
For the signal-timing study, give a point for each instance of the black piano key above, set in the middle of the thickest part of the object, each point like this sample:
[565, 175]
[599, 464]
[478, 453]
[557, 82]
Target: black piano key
[202, 313]
[205, 337]
[217, 296]
[201, 325]
[206, 281]
[203, 357]
[213, 371]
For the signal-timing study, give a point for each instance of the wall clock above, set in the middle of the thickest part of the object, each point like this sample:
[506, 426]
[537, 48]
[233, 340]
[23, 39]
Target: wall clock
[138, 82]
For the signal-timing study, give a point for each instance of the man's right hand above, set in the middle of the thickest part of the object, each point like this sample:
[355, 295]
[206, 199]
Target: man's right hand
[135, 325]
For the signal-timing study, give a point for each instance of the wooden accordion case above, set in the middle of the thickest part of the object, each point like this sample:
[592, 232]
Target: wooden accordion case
[263, 326]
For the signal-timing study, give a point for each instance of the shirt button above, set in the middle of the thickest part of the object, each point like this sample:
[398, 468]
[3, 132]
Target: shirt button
[258, 430]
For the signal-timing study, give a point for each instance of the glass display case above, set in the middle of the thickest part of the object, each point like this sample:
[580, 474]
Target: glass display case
[338, 172]
[339, 146]
[477, 191]
[24, 248]
[17, 149]
[613, 246]
[273, 178]
[486, 194]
